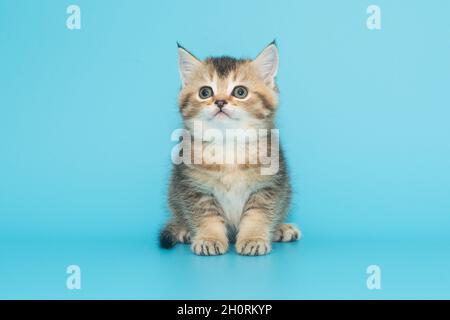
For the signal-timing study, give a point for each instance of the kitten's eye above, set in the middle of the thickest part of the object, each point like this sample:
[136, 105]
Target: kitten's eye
[240, 92]
[205, 92]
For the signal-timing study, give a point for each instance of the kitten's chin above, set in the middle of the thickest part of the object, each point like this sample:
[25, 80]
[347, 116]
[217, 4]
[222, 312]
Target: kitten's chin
[224, 122]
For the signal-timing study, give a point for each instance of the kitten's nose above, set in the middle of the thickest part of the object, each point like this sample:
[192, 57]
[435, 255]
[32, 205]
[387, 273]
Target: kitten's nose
[220, 103]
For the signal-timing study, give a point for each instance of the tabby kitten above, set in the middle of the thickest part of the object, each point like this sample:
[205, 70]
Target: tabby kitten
[213, 205]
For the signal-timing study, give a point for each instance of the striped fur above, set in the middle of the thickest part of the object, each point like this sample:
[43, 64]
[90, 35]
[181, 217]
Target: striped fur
[215, 204]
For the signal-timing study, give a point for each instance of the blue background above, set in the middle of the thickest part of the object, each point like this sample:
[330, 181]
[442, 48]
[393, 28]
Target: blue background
[85, 124]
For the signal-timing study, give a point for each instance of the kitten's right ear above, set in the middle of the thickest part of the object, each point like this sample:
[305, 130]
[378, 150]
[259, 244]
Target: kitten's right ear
[187, 63]
[267, 63]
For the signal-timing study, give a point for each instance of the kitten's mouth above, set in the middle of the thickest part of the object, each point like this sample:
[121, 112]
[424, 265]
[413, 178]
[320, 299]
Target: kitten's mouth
[221, 114]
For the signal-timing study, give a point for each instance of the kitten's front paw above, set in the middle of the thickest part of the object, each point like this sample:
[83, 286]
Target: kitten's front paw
[286, 232]
[208, 247]
[253, 247]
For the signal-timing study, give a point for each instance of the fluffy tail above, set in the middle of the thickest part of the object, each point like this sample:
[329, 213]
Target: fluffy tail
[168, 236]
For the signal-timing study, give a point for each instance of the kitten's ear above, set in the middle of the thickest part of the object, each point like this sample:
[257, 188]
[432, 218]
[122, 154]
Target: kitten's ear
[187, 63]
[267, 64]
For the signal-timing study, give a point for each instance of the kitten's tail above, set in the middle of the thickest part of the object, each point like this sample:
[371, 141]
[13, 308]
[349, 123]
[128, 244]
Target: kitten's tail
[168, 237]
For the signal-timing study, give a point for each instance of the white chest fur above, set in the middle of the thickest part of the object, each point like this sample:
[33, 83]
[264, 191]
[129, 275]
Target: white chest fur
[232, 192]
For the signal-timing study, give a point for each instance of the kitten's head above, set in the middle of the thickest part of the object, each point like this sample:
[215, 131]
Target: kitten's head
[229, 93]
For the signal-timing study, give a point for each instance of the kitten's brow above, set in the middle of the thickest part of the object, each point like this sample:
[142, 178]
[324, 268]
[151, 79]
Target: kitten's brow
[224, 65]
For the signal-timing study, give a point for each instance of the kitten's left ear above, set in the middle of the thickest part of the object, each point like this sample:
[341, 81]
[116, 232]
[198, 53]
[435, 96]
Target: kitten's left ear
[187, 63]
[267, 64]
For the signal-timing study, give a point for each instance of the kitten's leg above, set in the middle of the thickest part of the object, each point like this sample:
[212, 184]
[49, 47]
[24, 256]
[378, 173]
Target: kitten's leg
[286, 232]
[254, 236]
[264, 211]
[210, 237]
[184, 235]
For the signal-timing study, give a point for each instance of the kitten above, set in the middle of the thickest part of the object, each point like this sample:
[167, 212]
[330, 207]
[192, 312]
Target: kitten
[215, 204]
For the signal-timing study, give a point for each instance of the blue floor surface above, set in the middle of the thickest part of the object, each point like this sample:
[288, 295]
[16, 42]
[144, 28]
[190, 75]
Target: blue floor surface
[309, 269]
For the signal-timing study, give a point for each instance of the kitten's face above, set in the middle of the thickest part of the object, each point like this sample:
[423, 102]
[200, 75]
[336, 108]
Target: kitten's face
[226, 93]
